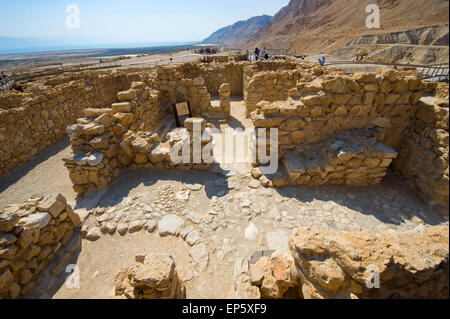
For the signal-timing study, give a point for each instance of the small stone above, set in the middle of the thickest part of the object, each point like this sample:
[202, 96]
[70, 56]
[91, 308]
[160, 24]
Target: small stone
[194, 187]
[53, 204]
[170, 225]
[186, 231]
[95, 159]
[183, 195]
[94, 233]
[36, 221]
[150, 226]
[251, 232]
[111, 228]
[254, 184]
[193, 238]
[122, 228]
[135, 226]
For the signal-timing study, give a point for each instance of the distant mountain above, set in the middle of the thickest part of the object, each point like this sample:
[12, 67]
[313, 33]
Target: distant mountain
[315, 26]
[239, 30]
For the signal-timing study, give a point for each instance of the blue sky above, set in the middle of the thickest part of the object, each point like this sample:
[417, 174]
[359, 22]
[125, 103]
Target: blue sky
[132, 21]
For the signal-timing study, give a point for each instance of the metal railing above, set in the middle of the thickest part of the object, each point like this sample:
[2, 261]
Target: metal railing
[434, 73]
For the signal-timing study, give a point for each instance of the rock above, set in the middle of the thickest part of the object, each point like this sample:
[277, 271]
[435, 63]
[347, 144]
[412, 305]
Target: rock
[154, 276]
[135, 226]
[7, 239]
[186, 231]
[6, 279]
[254, 184]
[7, 221]
[36, 220]
[183, 195]
[170, 225]
[111, 228]
[256, 275]
[251, 232]
[53, 204]
[200, 255]
[193, 238]
[410, 264]
[122, 228]
[123, 107]
[194, 187]
[95, 159]
[150, 226]
[278, 240]
[94, 233]
[196, 219]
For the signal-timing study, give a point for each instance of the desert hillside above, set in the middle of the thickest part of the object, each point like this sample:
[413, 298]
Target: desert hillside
[239, 30]
[312, 26]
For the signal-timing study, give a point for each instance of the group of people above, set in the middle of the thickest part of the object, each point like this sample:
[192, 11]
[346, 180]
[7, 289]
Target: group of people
[262, 54]
[206, 51]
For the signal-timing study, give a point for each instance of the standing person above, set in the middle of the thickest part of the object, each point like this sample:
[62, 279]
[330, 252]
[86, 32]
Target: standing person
[322, 61]
[256, 54]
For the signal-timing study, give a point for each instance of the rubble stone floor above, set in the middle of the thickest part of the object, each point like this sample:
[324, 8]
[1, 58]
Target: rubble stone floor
[224, 218]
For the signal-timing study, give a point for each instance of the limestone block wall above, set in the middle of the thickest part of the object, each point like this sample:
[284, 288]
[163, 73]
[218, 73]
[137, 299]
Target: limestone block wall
[109, 138]
[31, 235]
[36, 119]
[175, 87]
[423, 155]
[215, 74]
[352, 158]
[273, 81]
[121, 136]
[335, 103]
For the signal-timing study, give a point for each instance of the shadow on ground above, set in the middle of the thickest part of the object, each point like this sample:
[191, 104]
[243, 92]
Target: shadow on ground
[396, 201]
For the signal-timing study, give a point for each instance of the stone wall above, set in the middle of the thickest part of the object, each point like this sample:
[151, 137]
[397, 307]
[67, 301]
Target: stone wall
[410, 264]
[423, 155]
[123, 136]
[31, 234]
[352, 158]
[36, 119]
[215, 74]
[336, 103]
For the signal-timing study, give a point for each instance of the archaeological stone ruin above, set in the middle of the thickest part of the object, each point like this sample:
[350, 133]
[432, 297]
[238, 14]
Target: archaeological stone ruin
[337, 134]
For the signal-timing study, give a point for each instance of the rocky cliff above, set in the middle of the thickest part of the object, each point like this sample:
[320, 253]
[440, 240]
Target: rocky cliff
[239, 30]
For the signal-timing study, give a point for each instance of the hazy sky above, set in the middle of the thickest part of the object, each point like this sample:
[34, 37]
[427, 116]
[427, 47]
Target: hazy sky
[121, 21]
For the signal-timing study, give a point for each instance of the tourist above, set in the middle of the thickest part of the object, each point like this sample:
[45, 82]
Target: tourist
[3, 75]
[322, 61]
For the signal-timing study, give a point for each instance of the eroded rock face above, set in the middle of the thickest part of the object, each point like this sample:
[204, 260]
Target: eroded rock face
[154, 276]
[410, 264]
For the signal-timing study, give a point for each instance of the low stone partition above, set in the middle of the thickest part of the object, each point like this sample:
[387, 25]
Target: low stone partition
[154, 276]
[356, 265]
[273, 81]
[352, 158]
[423, 155]
[35, 119]
[31, 234]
